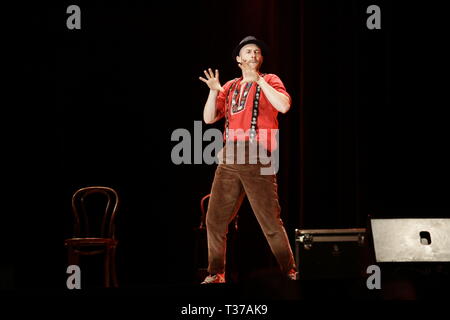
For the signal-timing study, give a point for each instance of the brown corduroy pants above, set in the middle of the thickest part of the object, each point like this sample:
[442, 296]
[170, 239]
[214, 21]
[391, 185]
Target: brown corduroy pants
[231, 183]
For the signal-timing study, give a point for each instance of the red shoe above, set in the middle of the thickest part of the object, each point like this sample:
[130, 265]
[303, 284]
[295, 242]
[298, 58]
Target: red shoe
[215, 278]
[293, 274]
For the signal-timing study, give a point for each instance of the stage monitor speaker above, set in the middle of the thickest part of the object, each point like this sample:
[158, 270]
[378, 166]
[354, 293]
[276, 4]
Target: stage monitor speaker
[331, 253]
[411, 240]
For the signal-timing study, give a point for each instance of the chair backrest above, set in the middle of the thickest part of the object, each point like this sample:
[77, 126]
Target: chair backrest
[94, 209]
[203, 210]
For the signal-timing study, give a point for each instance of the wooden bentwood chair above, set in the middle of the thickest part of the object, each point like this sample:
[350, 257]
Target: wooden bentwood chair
[92, 234]
[201, 246]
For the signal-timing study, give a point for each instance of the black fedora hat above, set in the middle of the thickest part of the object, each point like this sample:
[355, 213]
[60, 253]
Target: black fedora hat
[250, 39]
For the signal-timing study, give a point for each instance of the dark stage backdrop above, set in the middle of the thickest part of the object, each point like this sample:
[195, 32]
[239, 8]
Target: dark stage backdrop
[366, 133]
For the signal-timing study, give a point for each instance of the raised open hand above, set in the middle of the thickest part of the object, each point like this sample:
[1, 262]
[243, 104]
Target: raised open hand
[212, 80]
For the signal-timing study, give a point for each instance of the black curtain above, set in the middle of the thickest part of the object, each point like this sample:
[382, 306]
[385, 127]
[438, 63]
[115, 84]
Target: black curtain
[365, 135]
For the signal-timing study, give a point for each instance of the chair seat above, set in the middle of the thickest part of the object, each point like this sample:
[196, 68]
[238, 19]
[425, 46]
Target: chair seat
[90, 242]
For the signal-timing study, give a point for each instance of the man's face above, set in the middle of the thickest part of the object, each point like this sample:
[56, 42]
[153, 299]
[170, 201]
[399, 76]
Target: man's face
[250, 54]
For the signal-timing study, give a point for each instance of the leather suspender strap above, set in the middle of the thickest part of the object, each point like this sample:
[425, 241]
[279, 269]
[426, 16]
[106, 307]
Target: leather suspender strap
[255, 110]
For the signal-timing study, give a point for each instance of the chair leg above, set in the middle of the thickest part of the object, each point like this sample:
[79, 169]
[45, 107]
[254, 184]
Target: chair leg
[72, 256]
[107, 268]
[113, 267]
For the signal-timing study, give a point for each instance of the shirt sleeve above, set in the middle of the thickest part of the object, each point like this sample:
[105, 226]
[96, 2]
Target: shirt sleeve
[276, 83]
[221, 99]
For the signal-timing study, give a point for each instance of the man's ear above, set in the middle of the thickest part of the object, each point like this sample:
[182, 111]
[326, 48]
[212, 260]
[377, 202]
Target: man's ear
[238, 59]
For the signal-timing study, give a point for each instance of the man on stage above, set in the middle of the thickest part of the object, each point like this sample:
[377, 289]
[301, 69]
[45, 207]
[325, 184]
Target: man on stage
[250, 105]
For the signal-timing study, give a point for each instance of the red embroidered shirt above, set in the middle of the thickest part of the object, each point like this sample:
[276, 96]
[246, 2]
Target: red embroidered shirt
[240, 115]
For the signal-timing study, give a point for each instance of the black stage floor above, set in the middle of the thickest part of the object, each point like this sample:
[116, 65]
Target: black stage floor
[266, 289]
[264, 298]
